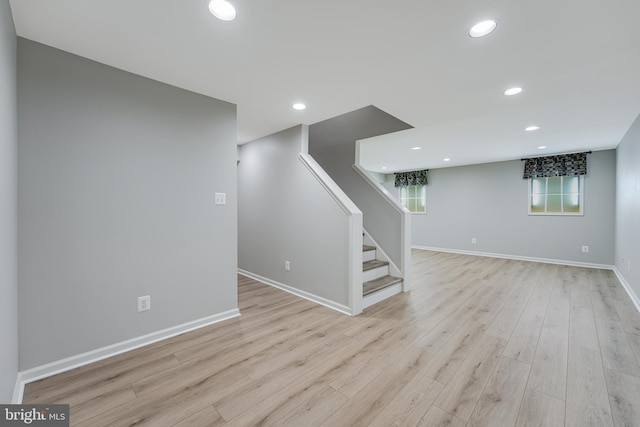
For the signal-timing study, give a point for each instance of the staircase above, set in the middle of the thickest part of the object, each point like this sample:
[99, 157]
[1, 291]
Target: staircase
[377, 284]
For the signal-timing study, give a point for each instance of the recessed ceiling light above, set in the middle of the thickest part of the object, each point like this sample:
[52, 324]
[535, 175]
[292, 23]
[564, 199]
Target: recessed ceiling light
[383, 168]
[299, 106]
[531, 128]
[416, 148]
[446, 160]
[542, 147]
[222, 10]
[482, 28]
[513, 91]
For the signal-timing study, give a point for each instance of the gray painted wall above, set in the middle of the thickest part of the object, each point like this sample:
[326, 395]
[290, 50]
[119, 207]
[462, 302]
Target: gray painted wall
[489, 202]
[389, 182]
[333, 144]
[628, 207]
[284, 214]
[116, 182]
[8, 206]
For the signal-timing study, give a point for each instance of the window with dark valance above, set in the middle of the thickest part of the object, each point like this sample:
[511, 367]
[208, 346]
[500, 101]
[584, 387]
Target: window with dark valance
[407, 179]
[561, 165]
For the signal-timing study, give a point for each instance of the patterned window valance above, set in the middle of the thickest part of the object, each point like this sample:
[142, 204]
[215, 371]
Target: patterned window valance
[562, 165]
[405, 179]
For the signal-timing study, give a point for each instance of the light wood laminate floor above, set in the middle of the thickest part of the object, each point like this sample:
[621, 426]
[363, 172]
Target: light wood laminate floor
[477, 342]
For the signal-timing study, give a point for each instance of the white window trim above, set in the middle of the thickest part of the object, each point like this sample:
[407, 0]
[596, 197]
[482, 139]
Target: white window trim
[425, 200]
[582, 202]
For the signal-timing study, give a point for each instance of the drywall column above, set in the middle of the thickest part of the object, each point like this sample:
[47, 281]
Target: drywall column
[8, 206]
[116, 180]
[627, 229]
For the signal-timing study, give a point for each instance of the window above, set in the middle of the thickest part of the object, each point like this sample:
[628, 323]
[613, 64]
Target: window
[556, 195]
[413, 197]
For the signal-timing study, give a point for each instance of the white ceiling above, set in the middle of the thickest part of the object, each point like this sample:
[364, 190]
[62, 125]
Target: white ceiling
[577, 60]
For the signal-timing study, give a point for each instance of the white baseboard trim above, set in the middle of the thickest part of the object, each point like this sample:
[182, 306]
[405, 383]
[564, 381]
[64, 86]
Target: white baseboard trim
[518, 258]
[299, 293]
[627, 287]
[59, 366]
[18, 390]
[381, 295]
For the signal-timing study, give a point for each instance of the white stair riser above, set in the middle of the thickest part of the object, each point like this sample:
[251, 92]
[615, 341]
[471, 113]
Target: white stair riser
[368, 255]
[381, 295]
[374, 273]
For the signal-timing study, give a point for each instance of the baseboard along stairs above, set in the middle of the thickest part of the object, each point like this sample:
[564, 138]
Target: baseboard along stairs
[377, 284]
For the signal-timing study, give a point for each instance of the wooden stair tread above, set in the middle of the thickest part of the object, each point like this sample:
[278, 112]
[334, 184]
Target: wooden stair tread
[380, 283]
[366, 248]
[374, 263]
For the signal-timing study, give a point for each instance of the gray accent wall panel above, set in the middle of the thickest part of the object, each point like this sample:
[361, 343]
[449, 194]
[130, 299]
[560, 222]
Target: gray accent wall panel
[489, 202]
[116, 181]
[284, 214]
[8, 206]
[333, 144]
[628, 208]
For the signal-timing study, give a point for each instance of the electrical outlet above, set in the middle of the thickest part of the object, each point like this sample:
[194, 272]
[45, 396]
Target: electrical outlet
[144, 303]
[585, 249]
[474, 240]
[221, 199]
[287, 266]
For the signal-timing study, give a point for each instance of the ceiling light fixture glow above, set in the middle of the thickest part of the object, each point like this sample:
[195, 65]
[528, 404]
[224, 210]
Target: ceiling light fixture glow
[513, 91]
[383, 168]
[446, 160]
[416, 148]
[222, 10]
[542, 147]
[299, 106]
[483, 28]
[531, 128]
